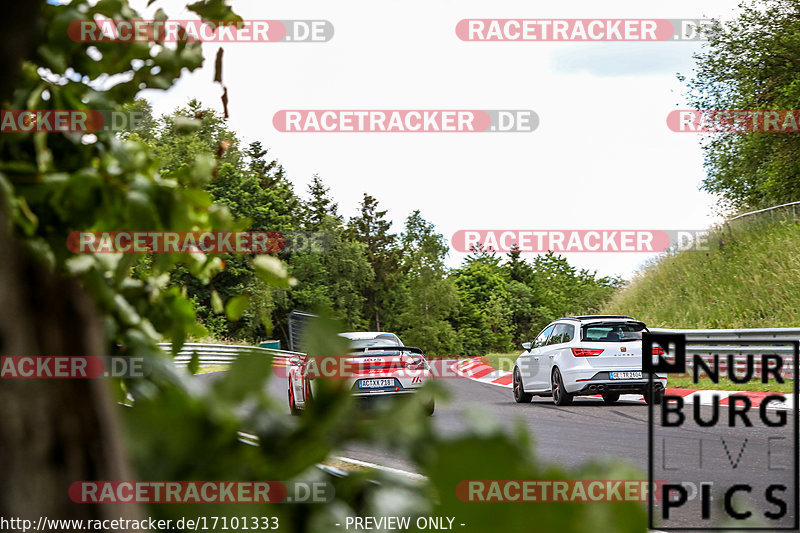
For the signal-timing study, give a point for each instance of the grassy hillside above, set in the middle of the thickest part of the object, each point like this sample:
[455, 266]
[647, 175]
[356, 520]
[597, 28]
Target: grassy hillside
[749, 278]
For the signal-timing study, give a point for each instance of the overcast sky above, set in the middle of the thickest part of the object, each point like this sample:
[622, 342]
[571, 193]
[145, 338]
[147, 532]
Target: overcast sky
[601, 158]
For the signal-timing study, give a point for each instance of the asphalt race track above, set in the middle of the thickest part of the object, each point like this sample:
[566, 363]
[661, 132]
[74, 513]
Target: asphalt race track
[590, 430]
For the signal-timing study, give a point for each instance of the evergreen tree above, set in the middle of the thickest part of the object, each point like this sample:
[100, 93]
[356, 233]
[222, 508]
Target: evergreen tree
[320, 204]
[373, 230]
[518, 269]
[428, 297]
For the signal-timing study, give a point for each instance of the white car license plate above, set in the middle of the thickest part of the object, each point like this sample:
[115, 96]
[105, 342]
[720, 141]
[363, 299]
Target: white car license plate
[626, 375]
[375, 383]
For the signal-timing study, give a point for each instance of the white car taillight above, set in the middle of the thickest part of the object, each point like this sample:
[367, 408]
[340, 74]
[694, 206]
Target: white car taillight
[586, 352]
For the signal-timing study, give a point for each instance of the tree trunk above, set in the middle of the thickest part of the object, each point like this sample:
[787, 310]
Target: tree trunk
[53, 432]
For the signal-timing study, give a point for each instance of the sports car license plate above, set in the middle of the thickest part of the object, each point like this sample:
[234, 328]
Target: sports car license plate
[375, 383]
[626, 375]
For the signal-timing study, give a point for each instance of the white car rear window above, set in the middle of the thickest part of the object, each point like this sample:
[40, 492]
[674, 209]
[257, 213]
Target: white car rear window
[604, 332]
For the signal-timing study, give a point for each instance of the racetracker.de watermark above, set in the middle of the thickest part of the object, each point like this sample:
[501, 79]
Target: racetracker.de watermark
[202, 492]
[72, 367]
[591, 30]
[220, 31]
[211, 242]
[566, 241]
[734, 120]
[575, 490]
[357, 365]
[67, 120]
[405, 120]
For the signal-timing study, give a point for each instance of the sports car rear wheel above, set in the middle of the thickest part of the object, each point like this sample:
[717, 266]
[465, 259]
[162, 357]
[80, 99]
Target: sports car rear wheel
[292, 406]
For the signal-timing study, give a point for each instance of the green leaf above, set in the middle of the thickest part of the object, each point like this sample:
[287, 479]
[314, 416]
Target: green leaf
[272, 271]
[214, 10]
[245, 376]
[236, 306]
[266, 321]
[198, 197]
[186, 125]
[203, 169]
[321, 337]
[194, 363]
[216, 302]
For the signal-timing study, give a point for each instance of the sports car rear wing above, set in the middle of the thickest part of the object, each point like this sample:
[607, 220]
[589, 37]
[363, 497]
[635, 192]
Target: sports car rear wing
[387, 349]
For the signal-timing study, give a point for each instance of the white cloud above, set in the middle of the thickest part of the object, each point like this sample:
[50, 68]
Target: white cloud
[602, 156]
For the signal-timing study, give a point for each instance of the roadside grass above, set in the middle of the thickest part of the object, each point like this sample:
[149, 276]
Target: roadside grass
[212, 368]
[748, 278]
[725, 384]
[346, 466]
[501, 361]
[208, 339]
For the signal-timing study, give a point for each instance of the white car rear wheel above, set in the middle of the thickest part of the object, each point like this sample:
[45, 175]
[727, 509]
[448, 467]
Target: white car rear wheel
[610, 397]
[560, 395]
[520, 396]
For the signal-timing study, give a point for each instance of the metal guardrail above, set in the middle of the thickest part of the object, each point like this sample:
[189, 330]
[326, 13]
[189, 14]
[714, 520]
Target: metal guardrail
[222, 354]
[724, 229]
[714, 344]
[769, 209]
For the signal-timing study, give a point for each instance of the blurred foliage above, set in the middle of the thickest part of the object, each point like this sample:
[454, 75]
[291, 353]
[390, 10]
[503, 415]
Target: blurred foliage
[56, 183]
[195, 178]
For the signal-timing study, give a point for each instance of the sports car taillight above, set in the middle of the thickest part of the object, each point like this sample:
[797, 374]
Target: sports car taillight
[658, 350]
[586, 352]
[416, 364]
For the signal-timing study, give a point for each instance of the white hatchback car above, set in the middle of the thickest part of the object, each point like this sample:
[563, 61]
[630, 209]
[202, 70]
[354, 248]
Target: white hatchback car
[586, 355]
